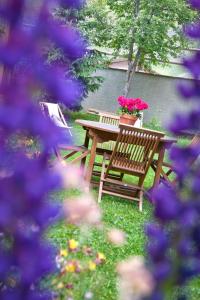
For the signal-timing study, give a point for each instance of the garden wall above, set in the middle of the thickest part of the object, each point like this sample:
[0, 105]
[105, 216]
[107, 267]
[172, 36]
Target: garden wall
[159, 91]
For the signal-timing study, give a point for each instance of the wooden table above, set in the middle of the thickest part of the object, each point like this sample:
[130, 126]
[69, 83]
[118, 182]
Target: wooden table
[101, 132]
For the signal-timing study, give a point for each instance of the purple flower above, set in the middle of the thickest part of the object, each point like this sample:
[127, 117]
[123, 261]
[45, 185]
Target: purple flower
[67, 38]
[185, 247]
[186, 90]
[189, 215]
[192, 65]
[72, 3]
[26, 180]
[167, 205]
[162, 271]
[12, 11]
[195, 3]
[183, 158]
[190, 269]
[174, 243]
[193, 31]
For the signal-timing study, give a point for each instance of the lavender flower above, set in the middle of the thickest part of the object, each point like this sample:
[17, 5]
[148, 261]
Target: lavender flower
[174, 239]
[25, 177]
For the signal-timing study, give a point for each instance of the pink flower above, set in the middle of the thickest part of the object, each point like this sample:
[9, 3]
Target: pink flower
[131, 105]
[122, 101]
[142, 105]
[138, 101]
[135, 280]
[116, 236]
[82, 210]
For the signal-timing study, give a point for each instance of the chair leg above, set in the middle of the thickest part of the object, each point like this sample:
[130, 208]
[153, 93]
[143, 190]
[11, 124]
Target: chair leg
[121, 176]
[140, 193]
[101, 179]
[140, 200]
[100, 191]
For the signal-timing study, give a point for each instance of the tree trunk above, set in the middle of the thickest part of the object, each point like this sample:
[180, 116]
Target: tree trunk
[132, 65]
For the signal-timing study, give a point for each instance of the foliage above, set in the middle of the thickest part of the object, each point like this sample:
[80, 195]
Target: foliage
[157, 27]
[147, 32]
[74, 262]
[84, 68]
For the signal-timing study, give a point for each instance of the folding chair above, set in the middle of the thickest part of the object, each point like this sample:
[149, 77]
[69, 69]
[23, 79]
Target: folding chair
[167, 168]
[53, 111]
[132, 154]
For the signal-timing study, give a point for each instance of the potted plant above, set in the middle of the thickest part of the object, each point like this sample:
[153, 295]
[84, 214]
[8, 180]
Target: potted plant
[130, 109]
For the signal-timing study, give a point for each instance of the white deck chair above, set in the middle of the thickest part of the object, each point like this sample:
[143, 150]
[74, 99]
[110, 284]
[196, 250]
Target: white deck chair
[53, 111]
[56, 115]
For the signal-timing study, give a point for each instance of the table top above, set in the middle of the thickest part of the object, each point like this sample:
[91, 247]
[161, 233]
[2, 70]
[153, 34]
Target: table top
[113, 128]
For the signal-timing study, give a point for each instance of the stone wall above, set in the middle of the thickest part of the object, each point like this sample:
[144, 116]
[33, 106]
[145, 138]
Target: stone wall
[159, 91]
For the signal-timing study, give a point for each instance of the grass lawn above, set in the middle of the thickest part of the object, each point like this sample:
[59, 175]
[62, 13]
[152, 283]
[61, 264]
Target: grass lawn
[117, 213]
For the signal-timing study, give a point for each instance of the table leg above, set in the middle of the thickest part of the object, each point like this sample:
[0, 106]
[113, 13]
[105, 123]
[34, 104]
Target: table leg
[92, 159]
[86, 144]
[159, 166]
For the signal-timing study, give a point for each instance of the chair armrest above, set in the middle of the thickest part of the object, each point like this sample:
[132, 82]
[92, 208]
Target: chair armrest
[93, 111]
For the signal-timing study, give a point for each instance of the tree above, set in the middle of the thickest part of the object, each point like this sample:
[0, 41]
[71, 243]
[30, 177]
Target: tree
[84, 68]
[146, 32]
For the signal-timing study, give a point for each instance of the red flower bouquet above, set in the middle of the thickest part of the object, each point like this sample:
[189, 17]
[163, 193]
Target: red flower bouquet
[132, 106]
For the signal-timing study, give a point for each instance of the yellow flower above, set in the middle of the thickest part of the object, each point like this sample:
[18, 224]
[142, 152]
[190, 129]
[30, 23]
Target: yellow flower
[91, 265]
[60, 285]
[101, 256]
[72, 244]
[70, 267]
[63, 252]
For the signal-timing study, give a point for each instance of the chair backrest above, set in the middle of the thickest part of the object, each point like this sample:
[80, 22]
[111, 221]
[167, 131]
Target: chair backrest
[109, 118]
[134, 150]
[53, 111]
[112, 118]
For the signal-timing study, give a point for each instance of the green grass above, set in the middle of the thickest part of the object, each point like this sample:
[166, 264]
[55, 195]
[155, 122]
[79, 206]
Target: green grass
[117, 213]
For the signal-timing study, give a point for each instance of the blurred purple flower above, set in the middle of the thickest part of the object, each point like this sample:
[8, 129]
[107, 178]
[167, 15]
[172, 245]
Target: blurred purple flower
[195, 3]
[193, 30]
[26, 179]
[162, 271]
[72, 3]
[186, 122]
[167, 205]
[12, 11]
[174, 241]
[192, 64]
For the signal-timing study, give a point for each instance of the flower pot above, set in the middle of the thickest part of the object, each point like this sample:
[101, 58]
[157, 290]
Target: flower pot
[128, 119]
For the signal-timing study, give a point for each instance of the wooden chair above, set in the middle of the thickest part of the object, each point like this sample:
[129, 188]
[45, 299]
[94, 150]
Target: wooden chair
[53, 111]
[167, 168]
[132, 154]
[107, 147]
[111, 118]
